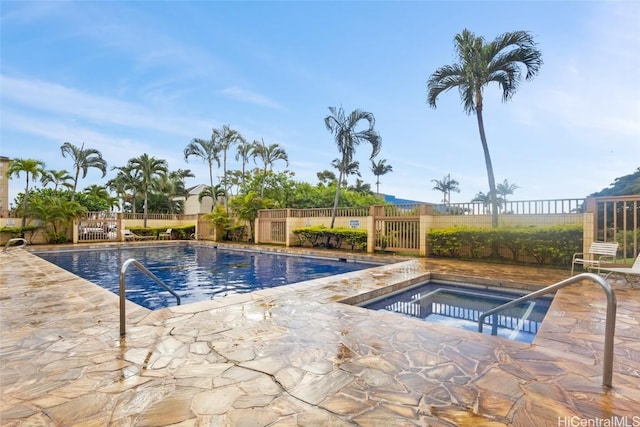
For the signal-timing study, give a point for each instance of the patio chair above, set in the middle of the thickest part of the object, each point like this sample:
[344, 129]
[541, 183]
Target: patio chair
[166, 234]
[598, 253]
[634, 270]
[129, 235]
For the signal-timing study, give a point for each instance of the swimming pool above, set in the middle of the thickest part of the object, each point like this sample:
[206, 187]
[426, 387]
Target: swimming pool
[195, 272]
[460, 305]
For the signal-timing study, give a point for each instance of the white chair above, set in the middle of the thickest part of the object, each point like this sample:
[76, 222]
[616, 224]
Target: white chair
[166, 234]
[634, 270]
[598, 253]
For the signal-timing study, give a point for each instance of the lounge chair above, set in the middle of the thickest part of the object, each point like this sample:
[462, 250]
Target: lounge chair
[634, 270]
[598, 253]
[130, 235]
[166, 234]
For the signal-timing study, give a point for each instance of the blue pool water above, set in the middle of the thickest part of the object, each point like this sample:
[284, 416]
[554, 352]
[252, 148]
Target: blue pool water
[460, 306]
[196, 273]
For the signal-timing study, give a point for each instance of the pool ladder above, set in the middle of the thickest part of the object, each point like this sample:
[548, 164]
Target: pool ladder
[610, 322]
[23, 243]
[149, 274]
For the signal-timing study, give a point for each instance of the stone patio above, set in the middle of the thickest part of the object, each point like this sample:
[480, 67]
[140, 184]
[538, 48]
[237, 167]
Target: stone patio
[297, 356]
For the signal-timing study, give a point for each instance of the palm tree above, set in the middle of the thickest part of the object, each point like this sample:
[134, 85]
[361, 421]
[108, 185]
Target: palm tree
[481, 63]
[343, 128]
[380, 168]
[227, 138]
[352, 168]
[446, 186]
[504, 189]
[486, 200]
[31, 168]
[126, 179]
[83, 159]
[269, 154]
[208, 151]
[244, 151]
[149, 168]
[57, 178]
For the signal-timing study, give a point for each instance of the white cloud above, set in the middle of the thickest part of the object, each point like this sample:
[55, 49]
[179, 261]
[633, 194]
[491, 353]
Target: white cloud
[247, 96]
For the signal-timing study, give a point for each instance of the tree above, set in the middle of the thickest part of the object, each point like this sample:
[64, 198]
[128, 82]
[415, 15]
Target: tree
[380, 168]
[31, 168]
[208, 151]
[361, 187]
[101, 192]
[57, 178]
[485, 199]
[505, 189]
[326, 177]
[626, 185]
[226, 137]
[244, 151]
[149, 168]
[352, 168]
[343, 129]
[481, 63]
[269, 154]
[83, 159]
[446, 186]
[126, 179]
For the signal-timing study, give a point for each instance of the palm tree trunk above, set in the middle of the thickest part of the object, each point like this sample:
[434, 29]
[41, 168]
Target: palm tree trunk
[487, 160]
[213, 193]
[145, 209]
[336, 200]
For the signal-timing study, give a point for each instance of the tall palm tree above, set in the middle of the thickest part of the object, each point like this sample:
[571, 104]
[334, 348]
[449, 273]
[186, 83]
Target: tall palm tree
[446, 186]
[269, 154]
[83, 159]
[127, 179]
[505, 189]
[57, 178]
[31, 168]
[343, 128]
[481, 63]
[244, 151]
[208, 151]
[149, 168]
[227, 137]
[380, 168]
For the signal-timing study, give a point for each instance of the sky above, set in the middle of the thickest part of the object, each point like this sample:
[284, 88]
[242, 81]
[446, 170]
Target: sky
[134, 77]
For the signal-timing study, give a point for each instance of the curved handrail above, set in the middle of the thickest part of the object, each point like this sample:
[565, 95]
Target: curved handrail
[149, 274]
[610, 322]
[15, 239]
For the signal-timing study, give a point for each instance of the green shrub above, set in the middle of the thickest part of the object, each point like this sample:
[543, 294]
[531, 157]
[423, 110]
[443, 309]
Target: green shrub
[321, 236]
[546, 245]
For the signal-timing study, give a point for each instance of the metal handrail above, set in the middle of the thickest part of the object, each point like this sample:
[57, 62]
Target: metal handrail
[15, 239]
[610, 322]
[149, 274]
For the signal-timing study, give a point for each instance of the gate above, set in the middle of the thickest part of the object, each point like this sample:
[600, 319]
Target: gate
[617, 220]
[397, 227]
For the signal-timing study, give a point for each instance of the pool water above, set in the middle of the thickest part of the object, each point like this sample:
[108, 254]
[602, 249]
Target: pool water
[460, 306]
[195, 273]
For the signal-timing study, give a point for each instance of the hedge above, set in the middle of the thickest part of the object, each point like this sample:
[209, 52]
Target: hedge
[321, 236]
[546, 245]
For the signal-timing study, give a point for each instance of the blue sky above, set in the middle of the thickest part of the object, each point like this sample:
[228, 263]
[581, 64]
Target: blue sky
[129, 78]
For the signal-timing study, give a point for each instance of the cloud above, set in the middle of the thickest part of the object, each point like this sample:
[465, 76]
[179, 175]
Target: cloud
[247, 96]
[51, 98]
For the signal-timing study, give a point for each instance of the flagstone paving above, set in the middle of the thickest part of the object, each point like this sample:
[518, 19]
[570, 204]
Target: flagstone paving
[296, 356]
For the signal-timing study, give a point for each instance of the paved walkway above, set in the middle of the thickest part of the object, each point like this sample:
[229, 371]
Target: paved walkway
[295, 356]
